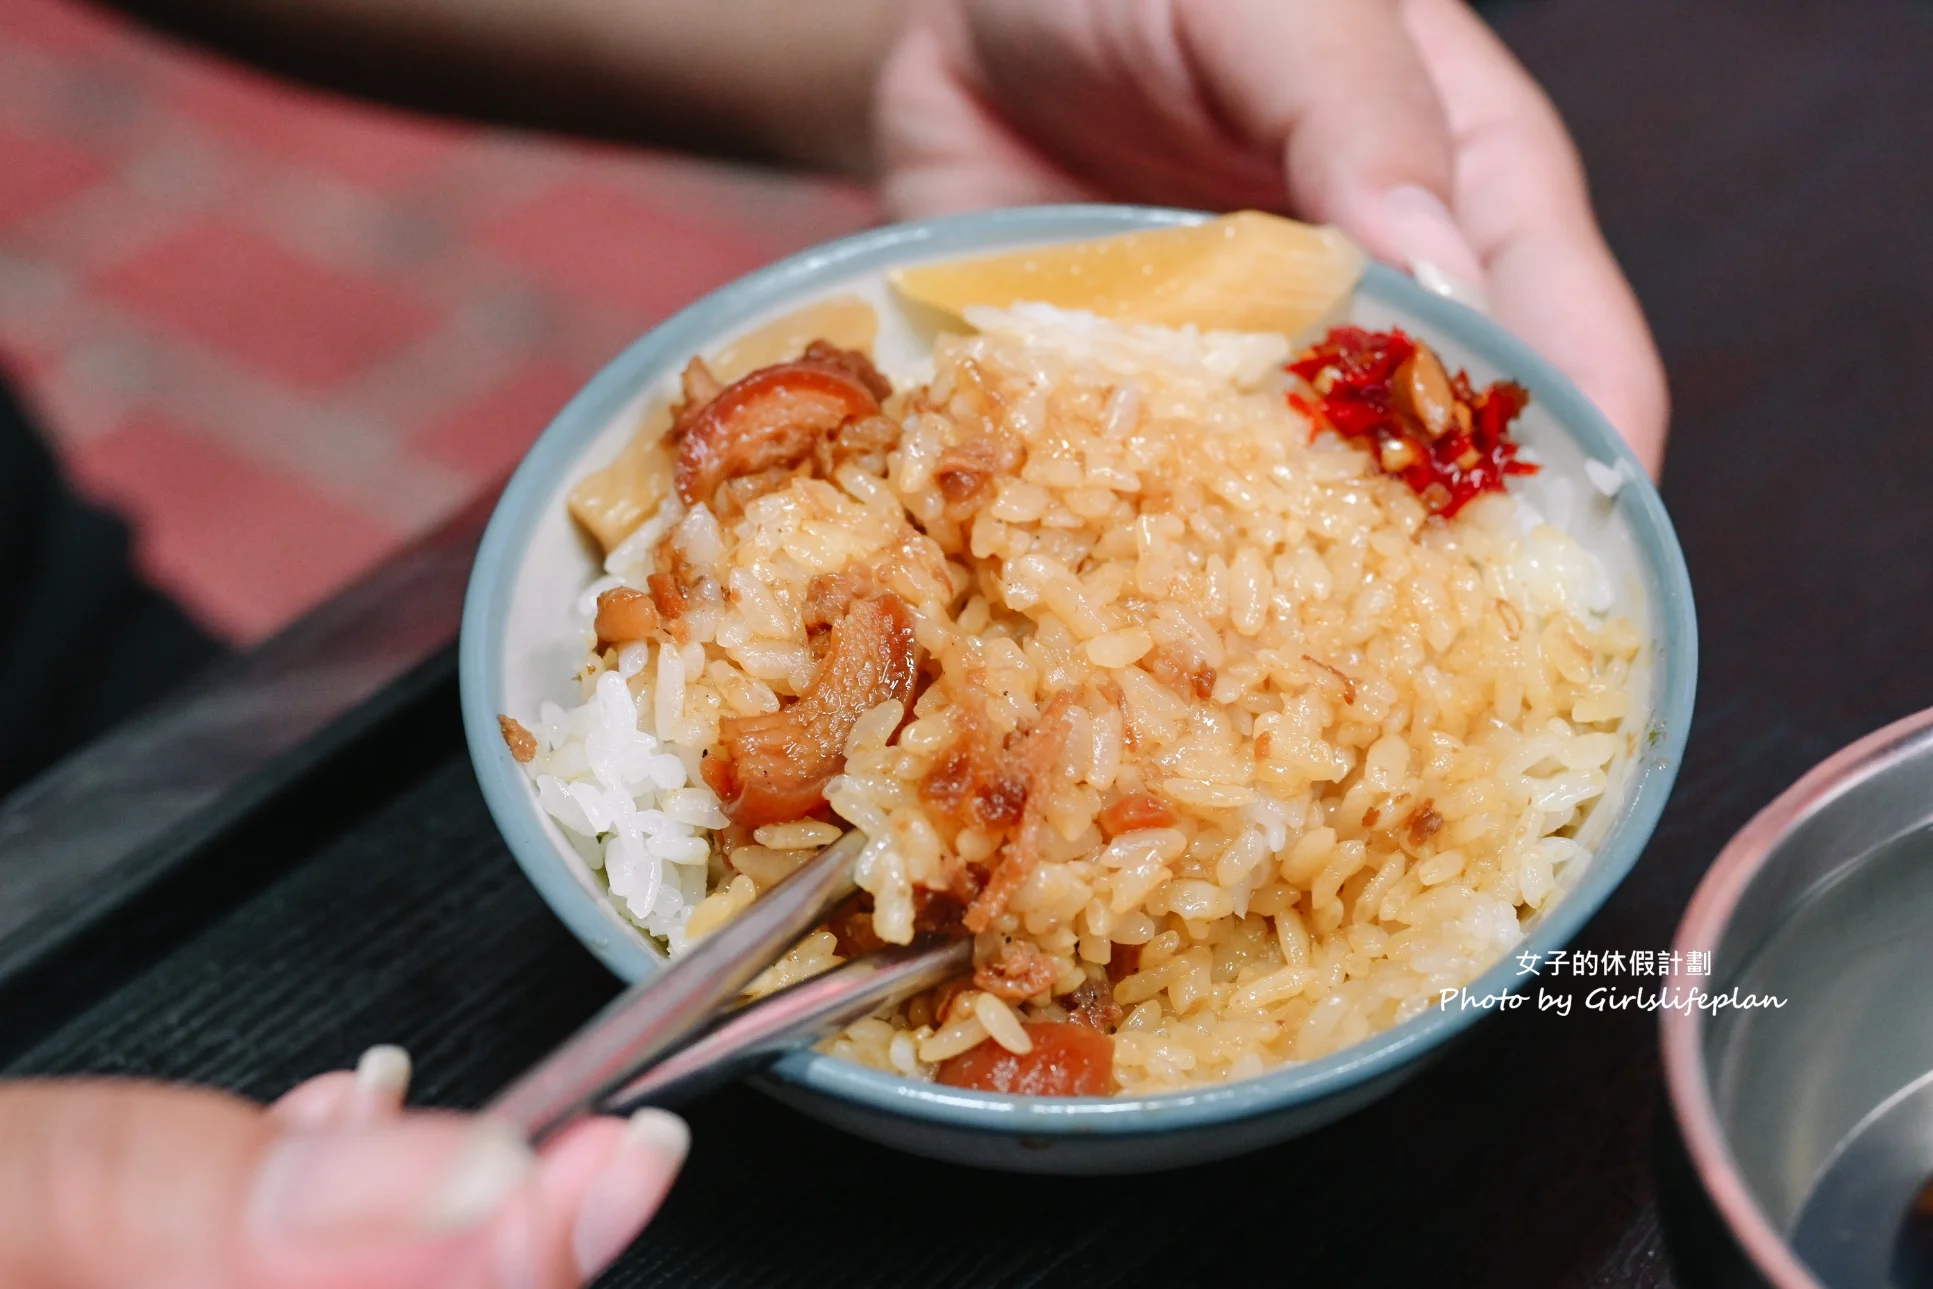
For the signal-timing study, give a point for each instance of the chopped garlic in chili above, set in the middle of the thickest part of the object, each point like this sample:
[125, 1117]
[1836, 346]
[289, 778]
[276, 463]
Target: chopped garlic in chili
[1447, 440]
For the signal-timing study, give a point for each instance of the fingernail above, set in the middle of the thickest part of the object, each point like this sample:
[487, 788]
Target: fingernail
[403, 1180]
[384, 1068]
[625, 1195]
[1437, 282]
[1421, 229]
[382, 1082]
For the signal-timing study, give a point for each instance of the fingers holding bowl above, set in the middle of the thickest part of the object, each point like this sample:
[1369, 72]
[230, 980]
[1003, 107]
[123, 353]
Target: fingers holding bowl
[559, 1220]
[1521, 198]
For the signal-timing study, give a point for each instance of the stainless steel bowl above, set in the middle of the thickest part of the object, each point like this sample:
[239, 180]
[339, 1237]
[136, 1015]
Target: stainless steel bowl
[1810, 1125]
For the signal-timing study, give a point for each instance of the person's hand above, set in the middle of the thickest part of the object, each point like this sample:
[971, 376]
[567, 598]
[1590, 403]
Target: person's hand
[121, 1185]
[1405, 122]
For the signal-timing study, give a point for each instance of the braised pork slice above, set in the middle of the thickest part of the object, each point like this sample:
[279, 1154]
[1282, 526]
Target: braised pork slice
[772, 418]
[965, 471]
[624, 615]
[1093, 1005]
[1019, 972]
[830, 596]
[775, 765]
[1067, 1060]
[934, 913]
[977, 782]
[1135, 811]
[521, 742]
[1039, 754]
[853, 362]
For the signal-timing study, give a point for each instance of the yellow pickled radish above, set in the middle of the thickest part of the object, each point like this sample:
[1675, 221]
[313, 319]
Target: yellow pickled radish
[1242, 272]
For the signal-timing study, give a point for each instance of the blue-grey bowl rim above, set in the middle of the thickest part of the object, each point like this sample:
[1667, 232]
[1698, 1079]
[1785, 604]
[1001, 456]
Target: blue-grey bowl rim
[704, 322]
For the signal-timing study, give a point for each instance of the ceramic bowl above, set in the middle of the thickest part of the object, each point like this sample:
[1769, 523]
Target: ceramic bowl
[533, 562]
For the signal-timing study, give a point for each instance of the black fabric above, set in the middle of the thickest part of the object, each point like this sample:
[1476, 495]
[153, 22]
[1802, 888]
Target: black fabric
[83, 641]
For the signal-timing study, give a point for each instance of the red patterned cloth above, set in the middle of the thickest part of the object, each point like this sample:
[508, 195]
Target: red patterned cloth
[282, 333]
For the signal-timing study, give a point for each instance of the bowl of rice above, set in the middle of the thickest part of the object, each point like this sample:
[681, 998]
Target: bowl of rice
[1249, 650]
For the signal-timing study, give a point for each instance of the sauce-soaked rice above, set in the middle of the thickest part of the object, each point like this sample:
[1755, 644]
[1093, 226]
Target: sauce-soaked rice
[1224, 748]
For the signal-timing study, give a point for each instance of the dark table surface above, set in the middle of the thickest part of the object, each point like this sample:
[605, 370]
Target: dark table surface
[1762, 168]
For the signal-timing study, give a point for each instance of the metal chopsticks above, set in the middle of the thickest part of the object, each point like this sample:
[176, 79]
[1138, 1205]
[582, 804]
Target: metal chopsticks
[599, 1068]
[798, 1014]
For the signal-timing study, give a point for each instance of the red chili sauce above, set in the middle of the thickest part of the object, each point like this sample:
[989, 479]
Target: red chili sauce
[1448, 441]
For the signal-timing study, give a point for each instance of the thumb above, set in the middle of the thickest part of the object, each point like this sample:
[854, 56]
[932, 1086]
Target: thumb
[1340, 88]
[117, 1184]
